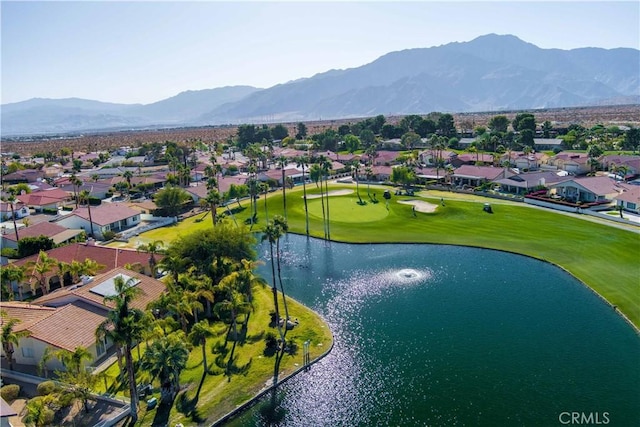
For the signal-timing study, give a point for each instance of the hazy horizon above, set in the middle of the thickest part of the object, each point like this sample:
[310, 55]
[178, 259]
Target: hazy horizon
[144, 52]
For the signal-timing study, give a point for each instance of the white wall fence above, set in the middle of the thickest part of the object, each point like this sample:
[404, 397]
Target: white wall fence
[550, 205]
[153, 223]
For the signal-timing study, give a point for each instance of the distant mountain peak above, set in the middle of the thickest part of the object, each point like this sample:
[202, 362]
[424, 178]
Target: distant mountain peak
[490, 72]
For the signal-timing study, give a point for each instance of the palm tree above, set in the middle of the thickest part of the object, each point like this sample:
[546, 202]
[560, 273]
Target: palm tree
[282, 162]
[326, 168]
[355, 168]
[85, 196]
[73, 360]
[235, 303]
[303, 162]
[8, 275]
[272, 233]
[213, 199]
[165, 359]
[316, 176]
[46, 356]
[281, 224]
[63, 268]
[198, 336]
[76, 182]
[10, 337]
[152, 248]
[264, 187]
[127, 175]
[42, 265]
[247, 279]
[90, 267]
[10, 200]
[123, 326]
[253, 192]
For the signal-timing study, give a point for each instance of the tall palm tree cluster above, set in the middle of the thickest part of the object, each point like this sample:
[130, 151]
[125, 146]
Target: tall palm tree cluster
[40, 270]
[210, 280]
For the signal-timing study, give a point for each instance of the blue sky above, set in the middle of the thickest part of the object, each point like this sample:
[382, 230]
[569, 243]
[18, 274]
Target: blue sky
[143, 51]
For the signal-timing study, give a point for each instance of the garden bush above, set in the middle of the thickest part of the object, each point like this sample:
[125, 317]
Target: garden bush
[45, 388]
[10, 392]
[9, 252]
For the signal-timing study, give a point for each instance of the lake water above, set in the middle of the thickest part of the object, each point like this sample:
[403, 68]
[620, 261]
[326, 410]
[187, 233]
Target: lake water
[445, 335]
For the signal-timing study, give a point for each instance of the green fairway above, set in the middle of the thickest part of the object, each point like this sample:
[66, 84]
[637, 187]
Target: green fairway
[346, 209]
[603, 257]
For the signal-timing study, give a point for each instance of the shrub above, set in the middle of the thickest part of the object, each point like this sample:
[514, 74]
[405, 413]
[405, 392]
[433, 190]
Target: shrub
[45, 388]
[109, 235]
[66, 399]
[10, 392]
[270, 340]
[9, 252]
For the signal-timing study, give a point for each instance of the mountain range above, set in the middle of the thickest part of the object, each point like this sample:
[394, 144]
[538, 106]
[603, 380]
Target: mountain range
[489, 73]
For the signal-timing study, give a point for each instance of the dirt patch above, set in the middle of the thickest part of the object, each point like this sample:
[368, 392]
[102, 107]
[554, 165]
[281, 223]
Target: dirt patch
[331, 193]
[421, 206]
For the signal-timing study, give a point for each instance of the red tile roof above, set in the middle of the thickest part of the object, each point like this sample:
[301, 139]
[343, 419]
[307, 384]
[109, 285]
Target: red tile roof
[70, 326]
[41, 229]
[486, 172]
[44, 197]
[109, 257]
[150, 289]
[26, 312]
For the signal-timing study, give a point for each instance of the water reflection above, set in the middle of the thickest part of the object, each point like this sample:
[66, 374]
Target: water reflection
[437, 335]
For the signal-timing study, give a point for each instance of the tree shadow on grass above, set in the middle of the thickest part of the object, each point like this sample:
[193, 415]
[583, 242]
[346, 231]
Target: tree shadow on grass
[188, 406]
[162, 413]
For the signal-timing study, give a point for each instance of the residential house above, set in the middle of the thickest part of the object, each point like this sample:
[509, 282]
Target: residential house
[629, 199]
[471, 159]
[632, 163]
[106, 217]
[430, 175]
[341, 158]
[548, 144]
[147, 208]
[474, 176]
[106, 257]
[589, 189]
[524, 183]
[197, 193]
[55, 232]
[381, 173]
[276, 174]
[25, 175]
[68, 318]
[383, 157]
[224, 183]
[19, 209]
[428, 157]
[50, 199]
[98, 190]
[573, 163]
[54, 171]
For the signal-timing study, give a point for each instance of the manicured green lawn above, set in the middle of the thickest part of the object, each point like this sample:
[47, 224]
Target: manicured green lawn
[209, 398]
[603, 257]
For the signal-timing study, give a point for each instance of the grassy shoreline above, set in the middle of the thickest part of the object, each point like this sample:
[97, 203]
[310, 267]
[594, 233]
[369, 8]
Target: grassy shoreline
[602, 257]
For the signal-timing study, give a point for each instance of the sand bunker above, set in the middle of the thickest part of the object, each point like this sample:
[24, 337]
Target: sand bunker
[331, 193]
[420, 205]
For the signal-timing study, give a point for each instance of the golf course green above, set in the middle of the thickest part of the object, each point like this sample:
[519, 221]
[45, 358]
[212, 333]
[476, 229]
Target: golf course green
[603, 257]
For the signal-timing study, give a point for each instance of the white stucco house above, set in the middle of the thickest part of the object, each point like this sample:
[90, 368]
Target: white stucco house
[114, 217]
[629, 199]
